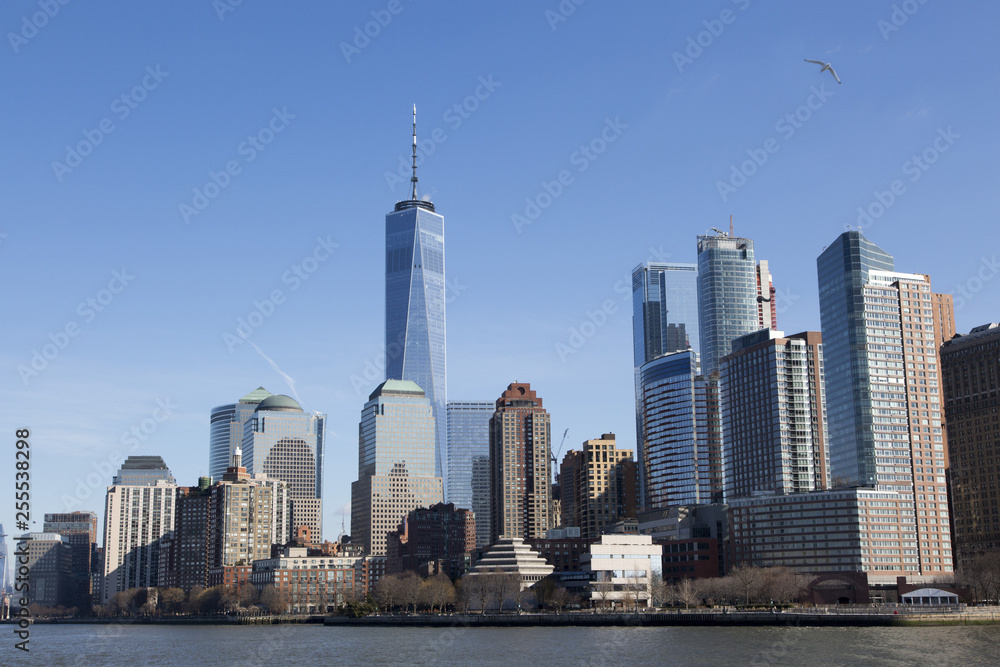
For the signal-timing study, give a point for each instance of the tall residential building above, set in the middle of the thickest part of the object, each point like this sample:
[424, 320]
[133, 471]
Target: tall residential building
[285, 443]
[396, 471]
[664, 320]
[226, 430]
[415, 338]
[727, 296]
[184, 552]
[970, 367]
[80, 531]
[599, 486]
[246, 515]
[682, 438]
[138, 512]
[883, 393]
[520, 465]
[767, 312]
[433, 540]
[773, 411]
[469, 442]
[943, 306]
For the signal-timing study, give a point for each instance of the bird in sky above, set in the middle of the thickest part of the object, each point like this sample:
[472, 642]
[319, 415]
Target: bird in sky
[826, 66]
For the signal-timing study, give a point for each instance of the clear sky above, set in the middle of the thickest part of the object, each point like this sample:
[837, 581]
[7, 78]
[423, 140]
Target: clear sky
[167, 166]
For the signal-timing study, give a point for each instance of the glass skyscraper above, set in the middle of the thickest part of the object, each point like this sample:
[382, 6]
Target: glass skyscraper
[664, 320]
[469, 440]
[415, 305]
[285, 443]
[226, 430]
[727, 296]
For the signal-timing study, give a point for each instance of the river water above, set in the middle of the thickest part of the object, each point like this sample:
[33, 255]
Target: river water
[302, 645]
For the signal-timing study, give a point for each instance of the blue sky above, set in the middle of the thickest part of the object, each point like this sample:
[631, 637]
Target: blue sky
[640, 109]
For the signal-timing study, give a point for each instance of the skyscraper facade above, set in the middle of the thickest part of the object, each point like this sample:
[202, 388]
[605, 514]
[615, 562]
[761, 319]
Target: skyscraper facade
[727, 296]
[80, 531]
[599, 486]
[184, 552]
[285, 443]
[682, 462]
[396, 471]
[767, 311]
[415, 348]
[773, 411]
[970, 367]
[884, 410]
[226, 430]
[469, 439]
[138, 512]
[520, 465]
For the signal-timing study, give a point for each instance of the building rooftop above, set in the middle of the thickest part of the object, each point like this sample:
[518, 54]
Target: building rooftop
[279, 402]
[256, 396]
[398, 388]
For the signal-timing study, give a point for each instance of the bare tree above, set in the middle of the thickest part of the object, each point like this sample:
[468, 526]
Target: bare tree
[749, 579]
[687, 592]
[387, 592]
[276, 600]
[517, 593]
[558, 598]
[246, 594]
[170, 600]
[602, 587]
[409, 590]
[781, 585]
[982, 574]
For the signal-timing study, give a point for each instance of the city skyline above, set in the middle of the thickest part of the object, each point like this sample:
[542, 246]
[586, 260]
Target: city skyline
[144, 315]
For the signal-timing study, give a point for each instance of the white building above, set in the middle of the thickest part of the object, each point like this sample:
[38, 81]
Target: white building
[622, 568]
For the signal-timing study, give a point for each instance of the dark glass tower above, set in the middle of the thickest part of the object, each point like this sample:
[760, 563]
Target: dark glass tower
[415, 347]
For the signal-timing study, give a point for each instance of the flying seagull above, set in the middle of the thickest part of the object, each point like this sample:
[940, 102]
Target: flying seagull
[826, 66]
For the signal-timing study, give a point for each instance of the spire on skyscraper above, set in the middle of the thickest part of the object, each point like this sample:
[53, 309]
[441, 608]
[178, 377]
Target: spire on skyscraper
[413, 179]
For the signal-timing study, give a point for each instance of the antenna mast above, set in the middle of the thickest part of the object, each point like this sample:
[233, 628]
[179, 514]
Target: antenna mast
[413, 179]
[730, 224]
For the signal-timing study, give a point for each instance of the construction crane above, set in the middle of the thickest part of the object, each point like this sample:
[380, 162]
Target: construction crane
[555, 457]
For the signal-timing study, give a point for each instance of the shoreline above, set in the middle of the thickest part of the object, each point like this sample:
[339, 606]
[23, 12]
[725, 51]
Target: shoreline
[832, 618]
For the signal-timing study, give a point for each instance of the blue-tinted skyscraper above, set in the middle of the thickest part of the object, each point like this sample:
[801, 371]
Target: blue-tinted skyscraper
[468, 461]
[415, 304]
[727, 296]
[664, 320]
[226, 430]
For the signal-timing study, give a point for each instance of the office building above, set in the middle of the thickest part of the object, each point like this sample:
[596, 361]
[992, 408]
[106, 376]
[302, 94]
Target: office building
[664, 320]
[285, 443]
[520, 465]
[727, 296]
[433, 540]
[80, 531]
[883, 394]
[839, 530]
[226, 430]
[469, 443]
[682, 462]
[50, 569]
[138, 512]
[623, 568]
[395, 463]
[773, 411]
[695, 539]
[970, 368]
[415, 341]
[599, 486]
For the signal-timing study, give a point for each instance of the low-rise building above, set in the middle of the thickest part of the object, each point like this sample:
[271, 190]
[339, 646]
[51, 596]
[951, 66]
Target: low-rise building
[313, 584]
[623, 568]
[510, 555]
